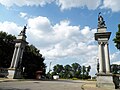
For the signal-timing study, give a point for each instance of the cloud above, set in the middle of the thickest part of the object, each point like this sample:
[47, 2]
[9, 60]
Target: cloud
[68, 4]
[114, 5]
[40, 23]
[20, 3]
[10, 27]
[117, 62]
[23, 15]
[62, 39]
[40, 31]
[115, 57]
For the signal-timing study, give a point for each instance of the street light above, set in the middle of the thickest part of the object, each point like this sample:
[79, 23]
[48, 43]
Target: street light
[98, 65]
[50, 67]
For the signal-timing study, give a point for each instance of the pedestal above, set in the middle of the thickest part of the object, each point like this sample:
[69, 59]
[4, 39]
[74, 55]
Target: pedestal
[11, 72]
[101, 29]
[15, 73]
[105, 81]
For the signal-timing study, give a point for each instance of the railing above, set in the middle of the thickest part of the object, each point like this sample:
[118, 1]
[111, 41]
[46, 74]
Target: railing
[3, 72]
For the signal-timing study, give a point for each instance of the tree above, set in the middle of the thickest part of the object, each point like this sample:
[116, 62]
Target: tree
[58, 69]
[71, 71]
[83, 72]
[6, 46]
[115, 69]
[32, 62]
[76, 68]
[117, 38]
[88, 70]
[67, 71]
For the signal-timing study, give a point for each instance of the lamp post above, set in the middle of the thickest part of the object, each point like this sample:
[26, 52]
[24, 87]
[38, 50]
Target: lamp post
[98, 65]
[50, 67]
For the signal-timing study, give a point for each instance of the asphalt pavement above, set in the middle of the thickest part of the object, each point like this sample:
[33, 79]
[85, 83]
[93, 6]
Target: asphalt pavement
[21, 84]
[40, 85]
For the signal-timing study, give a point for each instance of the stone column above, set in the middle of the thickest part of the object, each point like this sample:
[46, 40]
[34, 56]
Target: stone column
[17, 57]
[107, 60]
[13, 59]
[100, 57]
[22, 50]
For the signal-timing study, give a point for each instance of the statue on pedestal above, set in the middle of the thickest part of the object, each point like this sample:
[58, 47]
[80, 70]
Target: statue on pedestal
[101, 22]
[23, 31]
[15, 70]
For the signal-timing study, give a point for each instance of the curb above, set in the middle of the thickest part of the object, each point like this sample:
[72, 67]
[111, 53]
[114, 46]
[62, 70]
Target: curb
[89, 87]
[92, 86]
[9, 80]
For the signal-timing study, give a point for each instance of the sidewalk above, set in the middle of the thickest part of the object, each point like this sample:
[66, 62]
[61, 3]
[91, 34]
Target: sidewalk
[92, 86]
[7, 80]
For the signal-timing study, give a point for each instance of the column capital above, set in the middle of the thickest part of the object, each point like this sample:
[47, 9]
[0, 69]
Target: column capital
[103, 43]
[106, 43]
[99, 42]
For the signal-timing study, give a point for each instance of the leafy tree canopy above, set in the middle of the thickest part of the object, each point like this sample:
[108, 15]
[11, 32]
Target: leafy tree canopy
[6, 49]
[74, 70]
[117, 38]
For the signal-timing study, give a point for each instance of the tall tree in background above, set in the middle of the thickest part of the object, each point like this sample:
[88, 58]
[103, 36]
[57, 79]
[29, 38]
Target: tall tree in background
[71, 71]
[76, 68]
[6, 49]
[58, 69]
[83, 72]
[67, 71]
[32, 62]
[88, 70]
[117, 38]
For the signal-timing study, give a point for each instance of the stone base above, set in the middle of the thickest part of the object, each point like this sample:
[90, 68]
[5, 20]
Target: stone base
[14, 73]
[11, 72]
[18, 74]
[105, 81]
[100, 30]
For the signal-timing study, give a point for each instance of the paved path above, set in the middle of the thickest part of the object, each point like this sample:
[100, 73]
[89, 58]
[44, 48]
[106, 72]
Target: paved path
[42, 85]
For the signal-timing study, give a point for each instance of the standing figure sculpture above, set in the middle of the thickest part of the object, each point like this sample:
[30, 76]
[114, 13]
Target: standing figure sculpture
[101, 22]
[23, 31]
[98, 66]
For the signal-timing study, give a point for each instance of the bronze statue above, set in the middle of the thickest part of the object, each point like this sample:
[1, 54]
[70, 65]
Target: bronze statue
[101, 22]
[23, 31]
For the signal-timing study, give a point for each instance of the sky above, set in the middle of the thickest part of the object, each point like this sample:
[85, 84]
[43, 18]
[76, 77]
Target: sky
[63, 30]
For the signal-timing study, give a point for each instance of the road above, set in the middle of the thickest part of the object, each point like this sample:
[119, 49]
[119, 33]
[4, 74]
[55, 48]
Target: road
[42, 85]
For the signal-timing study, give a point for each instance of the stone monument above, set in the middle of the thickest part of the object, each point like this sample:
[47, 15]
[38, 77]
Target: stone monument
[15, 70]
[104, 77]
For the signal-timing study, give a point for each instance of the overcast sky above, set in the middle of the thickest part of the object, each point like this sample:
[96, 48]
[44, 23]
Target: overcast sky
[63, 30]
